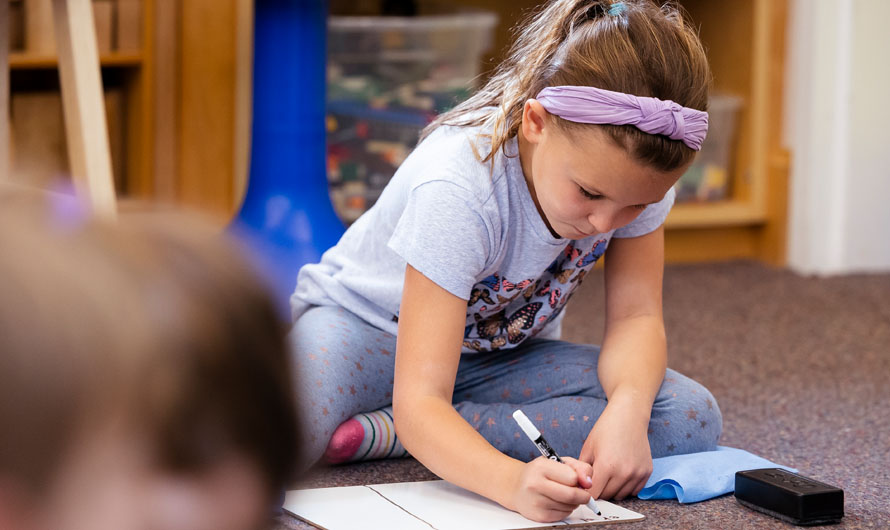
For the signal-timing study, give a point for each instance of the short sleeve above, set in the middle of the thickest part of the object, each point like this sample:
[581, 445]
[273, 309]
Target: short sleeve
[651, 218]
[443, 234]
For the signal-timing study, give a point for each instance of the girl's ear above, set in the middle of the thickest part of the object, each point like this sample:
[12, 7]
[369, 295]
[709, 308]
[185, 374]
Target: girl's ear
[534, 121]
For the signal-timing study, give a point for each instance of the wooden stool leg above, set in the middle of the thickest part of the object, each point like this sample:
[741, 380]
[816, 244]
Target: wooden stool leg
[5, 166]
[83, 104]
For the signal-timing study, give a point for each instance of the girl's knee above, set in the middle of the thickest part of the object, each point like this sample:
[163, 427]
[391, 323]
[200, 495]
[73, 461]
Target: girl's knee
[709, 423]
[685, 418]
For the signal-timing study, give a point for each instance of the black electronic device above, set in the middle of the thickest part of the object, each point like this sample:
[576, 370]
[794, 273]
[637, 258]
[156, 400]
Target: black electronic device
[789, 496]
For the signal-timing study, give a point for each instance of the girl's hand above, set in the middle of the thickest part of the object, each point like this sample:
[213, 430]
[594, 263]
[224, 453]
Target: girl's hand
[618, 448]
[548, 491]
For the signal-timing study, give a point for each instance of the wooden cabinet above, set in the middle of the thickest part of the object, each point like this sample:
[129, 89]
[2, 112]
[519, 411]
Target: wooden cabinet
[125, 43]
[745, 40]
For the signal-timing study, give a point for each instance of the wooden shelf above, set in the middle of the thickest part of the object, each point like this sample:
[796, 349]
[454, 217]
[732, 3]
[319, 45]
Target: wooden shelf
[33, 61]
[715, 214]
[128, 78]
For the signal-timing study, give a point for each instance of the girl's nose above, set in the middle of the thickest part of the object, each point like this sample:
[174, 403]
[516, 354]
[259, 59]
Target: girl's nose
[603, 220]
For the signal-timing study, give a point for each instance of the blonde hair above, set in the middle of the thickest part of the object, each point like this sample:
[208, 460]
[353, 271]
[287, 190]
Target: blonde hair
[642, 49]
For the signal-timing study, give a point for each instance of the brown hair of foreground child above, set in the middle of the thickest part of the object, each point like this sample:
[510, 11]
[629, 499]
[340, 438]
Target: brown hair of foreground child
[143, 376]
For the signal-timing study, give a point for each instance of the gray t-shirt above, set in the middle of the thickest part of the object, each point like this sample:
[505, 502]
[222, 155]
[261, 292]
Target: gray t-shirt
[475, 233]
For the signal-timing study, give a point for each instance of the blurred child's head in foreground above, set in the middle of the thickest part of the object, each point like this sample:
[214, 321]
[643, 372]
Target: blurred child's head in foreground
[143, 377]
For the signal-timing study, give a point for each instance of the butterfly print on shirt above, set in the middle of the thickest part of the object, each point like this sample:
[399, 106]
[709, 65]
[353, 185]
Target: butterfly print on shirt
[560, 274]
[529, 292]
[520, 320]
[505, 300]
[478, 293]
[513, 286]
[493, 282]
[554, 298]
[599, 248]
[571, 252]
[490, 328]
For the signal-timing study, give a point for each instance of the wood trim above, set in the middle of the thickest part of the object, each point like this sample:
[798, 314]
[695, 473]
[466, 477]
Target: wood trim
[166, 90]
[710, 214]
[5, 163]
[243, 98]
[774, 239]
[83, 104]
[760, 104]
[37, 61]
[141, 139]
[207, 121]
[711, 244]
[774, 243]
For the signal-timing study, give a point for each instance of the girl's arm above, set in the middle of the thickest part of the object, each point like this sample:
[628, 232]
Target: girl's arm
[431, 329]
[631, 366]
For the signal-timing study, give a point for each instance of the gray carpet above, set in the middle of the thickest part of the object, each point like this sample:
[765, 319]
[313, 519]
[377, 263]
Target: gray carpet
[800, 367]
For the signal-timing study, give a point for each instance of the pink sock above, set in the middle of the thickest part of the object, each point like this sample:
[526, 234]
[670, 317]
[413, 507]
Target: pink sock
[365, 436]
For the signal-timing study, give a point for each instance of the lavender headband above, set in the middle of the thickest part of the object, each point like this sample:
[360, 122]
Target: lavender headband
[585, 104]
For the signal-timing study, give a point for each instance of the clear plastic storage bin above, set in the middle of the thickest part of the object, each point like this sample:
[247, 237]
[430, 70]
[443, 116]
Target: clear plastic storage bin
[707, 179]
[388, 77]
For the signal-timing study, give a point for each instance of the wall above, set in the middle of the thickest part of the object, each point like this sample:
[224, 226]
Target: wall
[837, 85]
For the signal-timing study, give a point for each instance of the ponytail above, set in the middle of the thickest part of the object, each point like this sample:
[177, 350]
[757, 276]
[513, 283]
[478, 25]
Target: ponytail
[633, 46]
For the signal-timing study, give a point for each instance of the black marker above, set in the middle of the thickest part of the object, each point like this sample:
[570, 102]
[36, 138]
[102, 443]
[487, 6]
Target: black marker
[538, 439]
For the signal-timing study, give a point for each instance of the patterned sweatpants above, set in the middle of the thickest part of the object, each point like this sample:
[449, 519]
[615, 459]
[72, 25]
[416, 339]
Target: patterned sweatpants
[344, 366]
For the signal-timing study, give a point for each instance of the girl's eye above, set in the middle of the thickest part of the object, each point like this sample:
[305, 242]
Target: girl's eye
[640, 206]
[589, 195]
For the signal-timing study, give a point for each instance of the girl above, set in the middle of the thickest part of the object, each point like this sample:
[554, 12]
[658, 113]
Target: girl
[445, 299]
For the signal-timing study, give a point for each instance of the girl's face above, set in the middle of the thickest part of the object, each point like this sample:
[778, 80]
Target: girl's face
[584, 184]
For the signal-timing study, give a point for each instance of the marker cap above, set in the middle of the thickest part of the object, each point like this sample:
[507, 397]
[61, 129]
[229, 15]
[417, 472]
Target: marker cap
[526, 425]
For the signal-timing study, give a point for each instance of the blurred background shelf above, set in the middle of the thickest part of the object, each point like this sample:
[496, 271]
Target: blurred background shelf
[125, 39]
[183, 94]
[732, 212]
[745, 42]
[29, 60]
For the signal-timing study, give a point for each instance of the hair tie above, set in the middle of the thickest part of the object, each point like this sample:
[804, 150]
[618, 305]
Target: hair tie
[587, 104]
[617, 8]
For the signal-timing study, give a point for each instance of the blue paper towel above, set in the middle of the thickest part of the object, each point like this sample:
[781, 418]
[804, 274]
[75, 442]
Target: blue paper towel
[696, 477]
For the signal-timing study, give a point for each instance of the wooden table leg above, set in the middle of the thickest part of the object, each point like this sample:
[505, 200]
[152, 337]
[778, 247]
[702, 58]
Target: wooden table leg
[83, 104]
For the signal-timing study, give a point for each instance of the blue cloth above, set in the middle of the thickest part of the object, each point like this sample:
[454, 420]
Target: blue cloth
[696, 477]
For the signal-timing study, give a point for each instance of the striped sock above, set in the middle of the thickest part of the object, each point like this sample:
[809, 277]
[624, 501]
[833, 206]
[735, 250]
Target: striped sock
[365, 436]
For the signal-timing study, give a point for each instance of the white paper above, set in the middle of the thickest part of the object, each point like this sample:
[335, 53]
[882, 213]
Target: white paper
[436, 504]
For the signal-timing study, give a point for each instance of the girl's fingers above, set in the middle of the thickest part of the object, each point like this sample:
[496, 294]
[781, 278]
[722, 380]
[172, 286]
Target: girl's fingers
[600, 479]
[569, 496]
[640, 485]
[561, 473]
[583, 470]
[626, 489]
[610, 488]
[555, 515]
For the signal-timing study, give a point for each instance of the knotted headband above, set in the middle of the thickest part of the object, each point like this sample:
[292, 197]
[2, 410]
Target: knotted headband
[585, 104]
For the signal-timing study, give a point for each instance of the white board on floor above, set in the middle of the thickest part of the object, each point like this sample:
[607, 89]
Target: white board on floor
[435, 504]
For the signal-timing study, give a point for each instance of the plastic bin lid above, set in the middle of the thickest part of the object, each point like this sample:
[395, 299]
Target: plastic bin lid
[722, 102]
[465, 19]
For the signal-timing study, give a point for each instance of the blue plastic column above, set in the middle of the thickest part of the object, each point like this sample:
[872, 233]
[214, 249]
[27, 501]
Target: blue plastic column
[287, 217]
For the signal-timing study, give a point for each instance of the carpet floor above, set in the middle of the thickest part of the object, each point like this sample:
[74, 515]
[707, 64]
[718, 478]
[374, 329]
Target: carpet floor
[800, 367]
